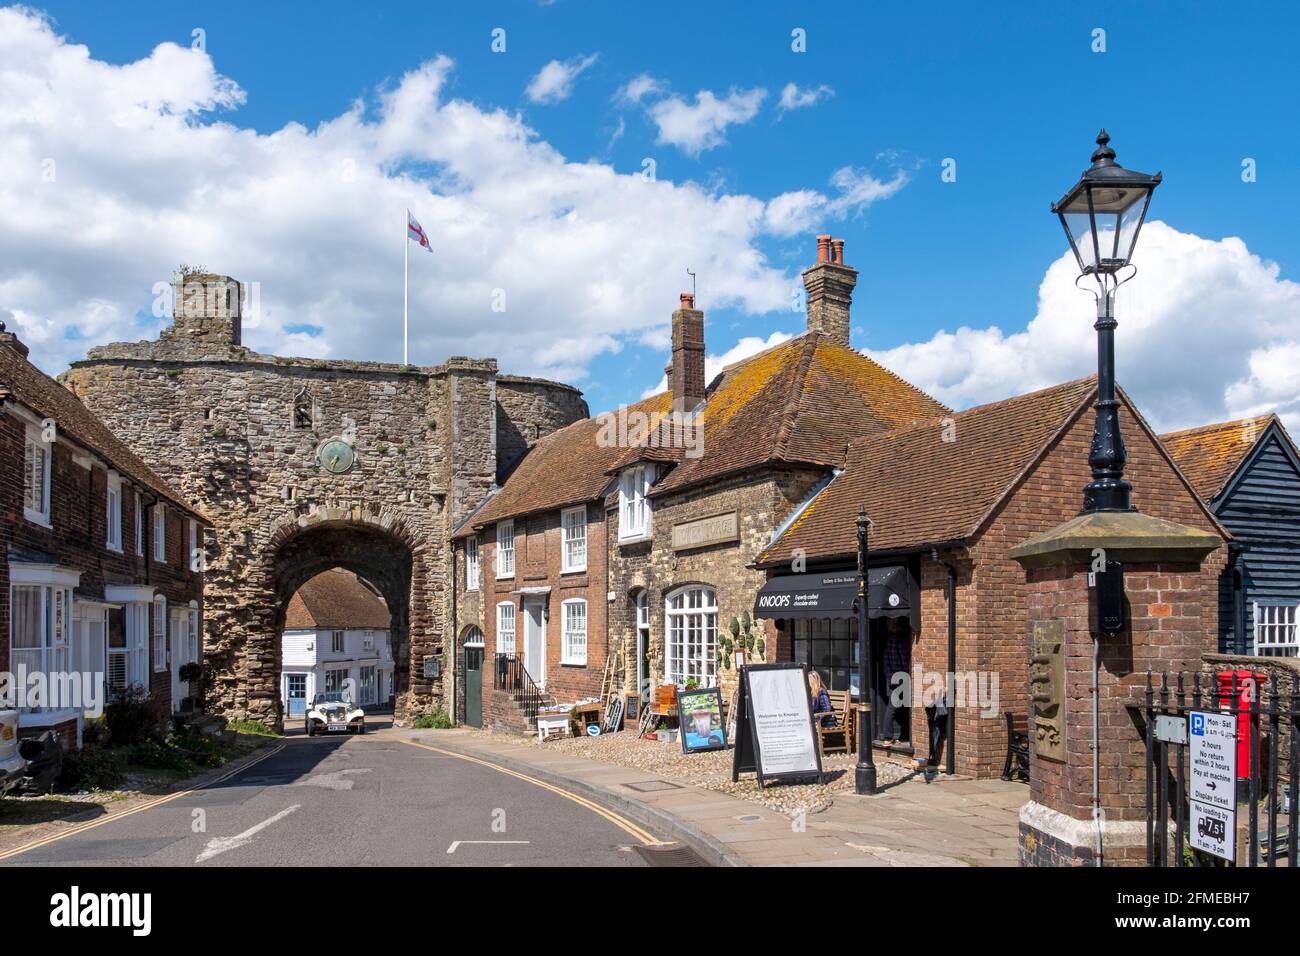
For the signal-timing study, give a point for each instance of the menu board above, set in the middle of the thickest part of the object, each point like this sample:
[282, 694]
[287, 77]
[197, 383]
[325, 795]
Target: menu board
[775, 735]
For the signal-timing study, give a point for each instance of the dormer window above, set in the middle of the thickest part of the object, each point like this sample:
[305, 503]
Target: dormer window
[633, 505]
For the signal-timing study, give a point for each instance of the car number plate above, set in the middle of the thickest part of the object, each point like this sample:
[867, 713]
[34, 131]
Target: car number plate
[336, 726]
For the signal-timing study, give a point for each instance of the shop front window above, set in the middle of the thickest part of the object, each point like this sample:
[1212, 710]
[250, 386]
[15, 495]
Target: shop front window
[829, 647]
[692, 637]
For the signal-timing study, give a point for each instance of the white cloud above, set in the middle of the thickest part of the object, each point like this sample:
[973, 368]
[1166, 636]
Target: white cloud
[803, 210]
[793, 97]
[1207, 331]
[702, 125]
[713, 364]
[152, 168]
[638, 88]
[554, 81]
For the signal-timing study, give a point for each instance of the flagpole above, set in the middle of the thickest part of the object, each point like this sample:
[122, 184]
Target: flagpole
[406, 269]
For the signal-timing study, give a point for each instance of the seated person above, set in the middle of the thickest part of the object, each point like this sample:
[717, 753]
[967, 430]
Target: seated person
[821, 701]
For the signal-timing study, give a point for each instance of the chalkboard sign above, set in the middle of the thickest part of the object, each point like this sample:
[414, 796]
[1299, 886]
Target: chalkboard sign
[775, 734]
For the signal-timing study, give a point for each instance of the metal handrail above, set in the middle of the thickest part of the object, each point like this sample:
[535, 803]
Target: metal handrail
[510, 675]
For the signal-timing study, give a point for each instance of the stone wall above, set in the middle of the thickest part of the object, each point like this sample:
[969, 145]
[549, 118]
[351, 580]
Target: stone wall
[761, 500]
[237, 433]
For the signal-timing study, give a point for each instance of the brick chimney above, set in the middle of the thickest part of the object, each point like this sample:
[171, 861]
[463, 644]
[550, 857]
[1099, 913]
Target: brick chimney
[830, 290]
[686, 370]
[12, 341]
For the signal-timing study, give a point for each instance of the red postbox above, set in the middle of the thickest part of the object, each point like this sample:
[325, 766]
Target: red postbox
[1248, 685]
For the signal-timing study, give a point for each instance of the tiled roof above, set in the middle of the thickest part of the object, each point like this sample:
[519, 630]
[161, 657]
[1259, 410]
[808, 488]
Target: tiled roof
[799, 402]
[1210, 455]
[567, 467]
[29, 386]
[920, 489]
[336, 599]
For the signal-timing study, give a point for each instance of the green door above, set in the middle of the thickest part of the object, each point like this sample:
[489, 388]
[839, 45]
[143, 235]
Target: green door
[474, 686]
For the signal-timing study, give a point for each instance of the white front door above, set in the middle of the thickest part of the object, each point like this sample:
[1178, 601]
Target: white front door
[535, 642]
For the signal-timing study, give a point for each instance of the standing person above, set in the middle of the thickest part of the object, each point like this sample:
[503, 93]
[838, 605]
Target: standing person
[896, 659]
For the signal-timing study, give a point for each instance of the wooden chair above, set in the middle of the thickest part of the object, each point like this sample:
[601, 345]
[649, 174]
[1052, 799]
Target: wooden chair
[843, 729]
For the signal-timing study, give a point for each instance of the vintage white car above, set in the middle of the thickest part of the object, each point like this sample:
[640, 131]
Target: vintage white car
[332, 712]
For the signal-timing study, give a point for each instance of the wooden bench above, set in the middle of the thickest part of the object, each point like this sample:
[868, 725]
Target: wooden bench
[843, 729]
[1017, 746]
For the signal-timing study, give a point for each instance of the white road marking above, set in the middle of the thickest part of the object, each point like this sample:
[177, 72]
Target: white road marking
[456, 843]
[220, 845]
[334, 780]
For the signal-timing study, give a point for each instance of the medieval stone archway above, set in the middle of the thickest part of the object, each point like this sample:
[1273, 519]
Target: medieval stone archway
[307, 464]
[384, 556]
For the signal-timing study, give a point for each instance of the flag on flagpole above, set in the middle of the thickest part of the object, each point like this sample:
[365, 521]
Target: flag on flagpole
[416, 231]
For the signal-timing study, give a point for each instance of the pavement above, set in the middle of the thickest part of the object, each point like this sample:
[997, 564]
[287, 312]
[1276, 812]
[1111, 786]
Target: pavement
[376, 799]
[950, 821]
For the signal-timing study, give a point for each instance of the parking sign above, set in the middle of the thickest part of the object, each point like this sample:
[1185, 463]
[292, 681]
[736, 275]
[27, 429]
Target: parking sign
[1213, 746]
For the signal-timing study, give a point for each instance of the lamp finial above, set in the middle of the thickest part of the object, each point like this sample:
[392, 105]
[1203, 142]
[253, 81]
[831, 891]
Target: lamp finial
[1104, 155]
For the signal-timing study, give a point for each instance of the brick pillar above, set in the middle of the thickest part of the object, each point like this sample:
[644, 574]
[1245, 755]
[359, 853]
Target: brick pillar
[1171, 598]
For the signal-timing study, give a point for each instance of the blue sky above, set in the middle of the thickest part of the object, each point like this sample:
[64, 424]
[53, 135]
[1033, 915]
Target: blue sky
[1015, 99]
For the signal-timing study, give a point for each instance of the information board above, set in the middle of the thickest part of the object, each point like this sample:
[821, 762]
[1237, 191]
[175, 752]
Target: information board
[1213, 746]
[775, 734]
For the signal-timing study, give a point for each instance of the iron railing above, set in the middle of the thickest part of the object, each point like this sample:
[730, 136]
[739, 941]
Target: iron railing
[1266, 732]
[509, 675]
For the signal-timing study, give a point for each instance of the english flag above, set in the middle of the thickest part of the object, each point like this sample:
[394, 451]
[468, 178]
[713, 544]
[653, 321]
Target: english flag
[416, 231]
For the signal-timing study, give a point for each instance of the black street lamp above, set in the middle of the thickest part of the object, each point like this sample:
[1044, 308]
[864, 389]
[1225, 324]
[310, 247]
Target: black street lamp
[1102, 216]
[864, 776]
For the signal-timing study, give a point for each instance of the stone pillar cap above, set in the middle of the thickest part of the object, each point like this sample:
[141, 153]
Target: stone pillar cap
[1124, 535]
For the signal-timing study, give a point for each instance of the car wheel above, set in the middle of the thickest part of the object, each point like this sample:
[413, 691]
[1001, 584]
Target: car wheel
[361, 729]
[307, 727]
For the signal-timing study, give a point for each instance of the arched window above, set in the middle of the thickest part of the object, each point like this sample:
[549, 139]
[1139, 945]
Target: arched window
[303, 414]
[691, 638]
[473, 636]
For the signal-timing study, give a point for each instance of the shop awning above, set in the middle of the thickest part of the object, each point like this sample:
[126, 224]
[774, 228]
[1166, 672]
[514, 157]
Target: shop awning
[892, 592]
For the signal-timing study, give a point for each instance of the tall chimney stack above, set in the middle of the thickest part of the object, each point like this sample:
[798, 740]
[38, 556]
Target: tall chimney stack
[830, 290]
[686, 370]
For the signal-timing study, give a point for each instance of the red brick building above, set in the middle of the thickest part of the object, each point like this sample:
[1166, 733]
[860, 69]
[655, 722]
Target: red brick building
[948, 499]
[101, 582]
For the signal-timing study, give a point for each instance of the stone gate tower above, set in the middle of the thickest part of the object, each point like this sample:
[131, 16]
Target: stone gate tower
[307, 464]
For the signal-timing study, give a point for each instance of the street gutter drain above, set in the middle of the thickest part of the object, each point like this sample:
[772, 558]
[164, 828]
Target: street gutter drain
[669, 854]
[649, 786]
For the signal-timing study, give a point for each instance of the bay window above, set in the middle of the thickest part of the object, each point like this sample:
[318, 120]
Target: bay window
[575, 631]
[691, 615]
[41, 628]
[633, 505]
[573, 530]
[506, 549]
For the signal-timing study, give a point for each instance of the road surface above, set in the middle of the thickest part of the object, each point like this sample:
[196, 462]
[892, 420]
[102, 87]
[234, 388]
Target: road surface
[357, 801]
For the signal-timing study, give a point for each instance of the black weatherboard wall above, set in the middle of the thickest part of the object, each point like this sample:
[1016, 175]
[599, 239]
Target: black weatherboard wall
[1260, 507]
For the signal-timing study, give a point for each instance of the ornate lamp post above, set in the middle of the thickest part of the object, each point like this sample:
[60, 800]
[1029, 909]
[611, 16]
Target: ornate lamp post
[1102, 216]
[864, 776]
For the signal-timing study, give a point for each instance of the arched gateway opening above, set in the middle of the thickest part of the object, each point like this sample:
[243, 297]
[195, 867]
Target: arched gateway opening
[379, 554]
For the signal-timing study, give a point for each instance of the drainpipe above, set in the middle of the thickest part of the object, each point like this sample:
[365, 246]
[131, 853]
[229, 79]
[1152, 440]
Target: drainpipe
[1238, 599]
[1096, 761]
[453, 711]
[950, 757]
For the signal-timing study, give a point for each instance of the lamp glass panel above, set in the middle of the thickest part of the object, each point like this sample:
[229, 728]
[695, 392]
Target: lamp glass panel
[1079, 225]
[1129, 223]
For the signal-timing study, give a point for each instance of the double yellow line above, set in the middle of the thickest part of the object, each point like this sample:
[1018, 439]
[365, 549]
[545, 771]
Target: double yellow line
[646, 839]
[114, 817]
